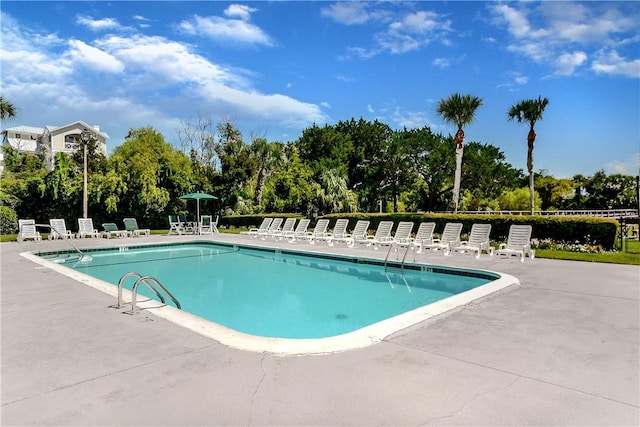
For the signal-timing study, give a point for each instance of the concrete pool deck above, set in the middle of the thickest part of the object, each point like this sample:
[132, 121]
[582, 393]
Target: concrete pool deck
[561, 348]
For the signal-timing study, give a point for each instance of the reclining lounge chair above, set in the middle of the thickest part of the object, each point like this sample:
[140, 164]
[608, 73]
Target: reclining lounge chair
[478, 241]
[450, 238]
[27, 230]
[131, 225]
[518, 242]
[85, 228]
[59, 230]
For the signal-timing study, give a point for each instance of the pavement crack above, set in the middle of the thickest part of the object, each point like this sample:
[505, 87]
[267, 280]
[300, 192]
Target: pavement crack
[257, 389]
[438, 420]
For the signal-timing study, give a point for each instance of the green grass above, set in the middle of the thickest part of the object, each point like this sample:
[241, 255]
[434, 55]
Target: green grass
[631, 254]
[631, 257]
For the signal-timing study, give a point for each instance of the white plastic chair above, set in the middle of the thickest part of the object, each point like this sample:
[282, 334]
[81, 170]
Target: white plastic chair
[59, 230]
[518, 242]
[477, 242]
[359, 233]
[27, 230]
[450, 238]
[85, 228]
[264, 226]
[339, 233]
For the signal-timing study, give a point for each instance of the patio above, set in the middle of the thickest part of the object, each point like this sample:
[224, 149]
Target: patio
[561, 348]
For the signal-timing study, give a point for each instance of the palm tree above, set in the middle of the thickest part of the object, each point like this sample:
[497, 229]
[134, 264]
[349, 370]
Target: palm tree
[529, 111]
[268, 156]
[459, 110]
[8, 110]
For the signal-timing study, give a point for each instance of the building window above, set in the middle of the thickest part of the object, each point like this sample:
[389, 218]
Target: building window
[70, 142]
[18, 135]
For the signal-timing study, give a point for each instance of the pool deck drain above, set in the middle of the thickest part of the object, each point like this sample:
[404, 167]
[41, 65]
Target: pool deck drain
[560, 349]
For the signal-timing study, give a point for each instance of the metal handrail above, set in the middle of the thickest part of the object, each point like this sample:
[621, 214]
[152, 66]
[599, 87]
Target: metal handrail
[82, 255]
[138, 275]
[144, 280]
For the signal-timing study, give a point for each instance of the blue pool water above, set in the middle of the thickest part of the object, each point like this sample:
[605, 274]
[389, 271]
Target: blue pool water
[278, 294]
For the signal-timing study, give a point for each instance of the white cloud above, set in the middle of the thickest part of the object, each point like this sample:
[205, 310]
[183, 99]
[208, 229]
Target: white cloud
[98, 24]
[612, 63]
[240, 11]
[629, 166]
[159, 82]
[410, 119]
[412, 31]
[441, 63]
[348, 12]
[399, 31]
[370, 108]
[566, 34]
[515, 82]
[89, 56]
[222, 29]
[568, 62]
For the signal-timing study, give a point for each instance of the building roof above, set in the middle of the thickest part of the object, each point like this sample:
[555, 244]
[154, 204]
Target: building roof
[25, 129]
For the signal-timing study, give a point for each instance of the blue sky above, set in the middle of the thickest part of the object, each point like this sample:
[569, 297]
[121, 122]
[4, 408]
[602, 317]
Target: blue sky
[275, 68]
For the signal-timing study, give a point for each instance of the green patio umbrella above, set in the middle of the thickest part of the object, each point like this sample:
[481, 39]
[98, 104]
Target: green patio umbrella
[197, 197]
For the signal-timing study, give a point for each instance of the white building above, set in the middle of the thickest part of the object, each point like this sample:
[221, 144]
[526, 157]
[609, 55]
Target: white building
[50, 140]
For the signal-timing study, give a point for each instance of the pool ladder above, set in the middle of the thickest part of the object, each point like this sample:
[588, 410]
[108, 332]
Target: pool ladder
[404, 257]
[151, 283]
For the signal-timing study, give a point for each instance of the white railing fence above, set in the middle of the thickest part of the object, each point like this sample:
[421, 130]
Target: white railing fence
[607, 213]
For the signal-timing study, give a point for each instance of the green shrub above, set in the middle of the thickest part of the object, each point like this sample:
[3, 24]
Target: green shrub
[8, 220]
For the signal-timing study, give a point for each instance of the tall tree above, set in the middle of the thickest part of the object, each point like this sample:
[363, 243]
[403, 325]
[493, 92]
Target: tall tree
[8, 110]
[529, 111]
[459, 110]
[431, 158]
[152, 174]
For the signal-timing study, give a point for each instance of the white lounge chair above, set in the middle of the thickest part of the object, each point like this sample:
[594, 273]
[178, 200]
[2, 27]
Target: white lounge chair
[450, 238]
[287, 228]
[359, 233]
[264, 226]
[382, 235]
[300, 231]
[339, 233]
[85, 228]
[27, 230]
[402, 237]
[111, 230]
[478, 241]
[131, 225]
[319, 232]
[424, 235]
[518, 242]
[274, 228]
[59, 230]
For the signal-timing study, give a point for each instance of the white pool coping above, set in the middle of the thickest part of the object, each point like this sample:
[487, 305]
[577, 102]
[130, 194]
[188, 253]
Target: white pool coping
[360, 338]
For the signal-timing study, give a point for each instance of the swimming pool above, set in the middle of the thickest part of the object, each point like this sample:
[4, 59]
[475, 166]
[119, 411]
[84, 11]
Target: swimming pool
[285, 296]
